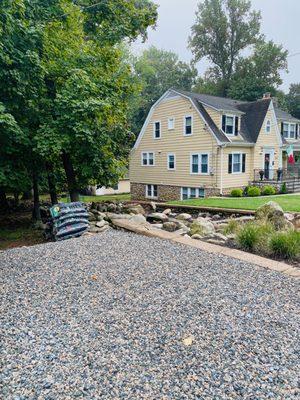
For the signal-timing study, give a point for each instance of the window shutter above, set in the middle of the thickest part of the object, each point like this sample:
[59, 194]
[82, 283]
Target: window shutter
[297, 131]
[244, 163]
[236, 131]
[230, 163]
[281, 128]
[223, 123]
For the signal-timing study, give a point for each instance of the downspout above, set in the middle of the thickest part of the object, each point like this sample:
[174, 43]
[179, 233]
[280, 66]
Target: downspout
[221, 172]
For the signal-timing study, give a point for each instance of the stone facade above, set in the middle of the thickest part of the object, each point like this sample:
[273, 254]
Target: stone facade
[165, 192]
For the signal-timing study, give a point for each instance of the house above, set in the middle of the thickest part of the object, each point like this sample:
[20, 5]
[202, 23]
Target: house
[197, 145]
[122, 187]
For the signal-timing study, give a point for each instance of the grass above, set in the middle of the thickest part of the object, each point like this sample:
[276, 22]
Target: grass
[88, 199]
[287, 202]
[19, 236]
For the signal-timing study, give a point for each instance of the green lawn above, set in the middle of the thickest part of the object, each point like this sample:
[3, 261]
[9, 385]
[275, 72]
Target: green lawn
[87, 199]
[287, 202]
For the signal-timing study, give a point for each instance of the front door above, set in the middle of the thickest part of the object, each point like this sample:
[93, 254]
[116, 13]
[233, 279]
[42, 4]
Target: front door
[269, 164]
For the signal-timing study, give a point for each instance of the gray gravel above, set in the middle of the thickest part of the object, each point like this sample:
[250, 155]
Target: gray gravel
[121, 316]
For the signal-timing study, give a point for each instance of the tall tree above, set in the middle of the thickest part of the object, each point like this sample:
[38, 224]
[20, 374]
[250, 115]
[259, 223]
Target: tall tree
[157, 71]
[259, 73]
[223, 29]
[293, 100]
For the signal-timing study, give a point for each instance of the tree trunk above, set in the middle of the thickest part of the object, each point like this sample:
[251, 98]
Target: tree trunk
[16, 198]
[36, 212]
[27, 195]
[3, 200]
[71, 177]
[51, 184]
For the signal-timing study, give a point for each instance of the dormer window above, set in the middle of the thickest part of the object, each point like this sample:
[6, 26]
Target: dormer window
[268, 126]
[230, 124]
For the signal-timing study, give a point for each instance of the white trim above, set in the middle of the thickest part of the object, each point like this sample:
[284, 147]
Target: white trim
[152, 191]
[221, 172]
[154, 129]
[197, 189]
[199, 163]
[272, 110]
[184, 124]
[170, 119]
[241, 163]
[233, 126]
[268, 125]
[148, 119]
[147, 152]
[171, 154]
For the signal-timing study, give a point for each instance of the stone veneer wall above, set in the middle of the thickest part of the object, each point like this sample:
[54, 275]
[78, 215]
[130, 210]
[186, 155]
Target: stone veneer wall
[165, 192]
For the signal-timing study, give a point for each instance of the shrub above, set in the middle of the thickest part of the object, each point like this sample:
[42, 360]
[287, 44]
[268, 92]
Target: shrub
[283, 188]
[236, 193]
[253, 191]
[285, 244]
[254, 236]
[232, 227]
[245, 193]
[268, 190]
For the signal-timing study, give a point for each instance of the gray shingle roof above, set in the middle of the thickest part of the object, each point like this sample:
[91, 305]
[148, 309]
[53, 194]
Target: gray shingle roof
[252, 114]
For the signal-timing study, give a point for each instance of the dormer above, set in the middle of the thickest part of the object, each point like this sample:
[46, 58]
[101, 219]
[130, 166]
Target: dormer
[230, 124]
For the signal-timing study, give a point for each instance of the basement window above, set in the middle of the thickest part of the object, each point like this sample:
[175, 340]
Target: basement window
[151, 191]
[191, 193]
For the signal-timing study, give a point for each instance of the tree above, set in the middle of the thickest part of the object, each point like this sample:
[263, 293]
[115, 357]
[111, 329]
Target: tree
[157, 71]
[293, 100]
[223, 29]
[259, 73]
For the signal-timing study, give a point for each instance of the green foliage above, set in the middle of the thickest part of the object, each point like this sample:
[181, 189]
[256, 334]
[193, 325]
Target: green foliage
[236, 193]
[223, 29]
[232, 227]
[254, 236]
[268, 190]
[253, 191]
[156, 71]
[283, 189]
[293, 100]
[285, 244]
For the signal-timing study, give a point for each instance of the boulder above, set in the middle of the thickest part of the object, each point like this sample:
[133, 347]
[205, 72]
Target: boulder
[273, 213]
[112, 207]
[216, 236]
[92, 217]
[138, 219]
[157, 217]
[201, 226]
[134, 209]
[111, 216]
[167, 211]
[296, 222]
[100, 224]
[153, 206]
[157, 226]
[170, 226]
[197, 237]
[184, 217]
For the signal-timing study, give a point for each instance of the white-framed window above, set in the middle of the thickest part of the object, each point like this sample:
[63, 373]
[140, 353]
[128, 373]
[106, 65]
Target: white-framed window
[268, 126]
[289, 130]
[171, 161]
[191, 193]
[157, 130]
[171, 123]
[147, 159]
[188, 125]
[199, 163]
[236, 163]
[151, 191]
[230, 124]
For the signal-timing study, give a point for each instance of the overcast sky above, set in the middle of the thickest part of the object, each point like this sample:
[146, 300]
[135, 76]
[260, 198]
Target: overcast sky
[280, 22]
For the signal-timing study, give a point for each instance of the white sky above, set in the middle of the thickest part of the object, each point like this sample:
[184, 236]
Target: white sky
[280, 23]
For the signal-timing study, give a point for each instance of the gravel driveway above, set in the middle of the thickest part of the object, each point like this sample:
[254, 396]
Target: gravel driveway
[121, 316]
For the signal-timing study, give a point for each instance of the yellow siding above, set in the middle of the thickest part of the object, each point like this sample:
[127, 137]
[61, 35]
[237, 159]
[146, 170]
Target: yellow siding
[237, 179]
[174, 141]
[215, 115]
[267, 141]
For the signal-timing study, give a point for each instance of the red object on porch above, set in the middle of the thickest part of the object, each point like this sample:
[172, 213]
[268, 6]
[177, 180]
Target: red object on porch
[291, 159]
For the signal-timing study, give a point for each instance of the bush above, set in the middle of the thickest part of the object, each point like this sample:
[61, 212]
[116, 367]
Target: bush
[236, 193]
[285, 244]
[254, 236]
[253, 191]
[245, 193]
[283, 188]
[268, 190]
[232, 227]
